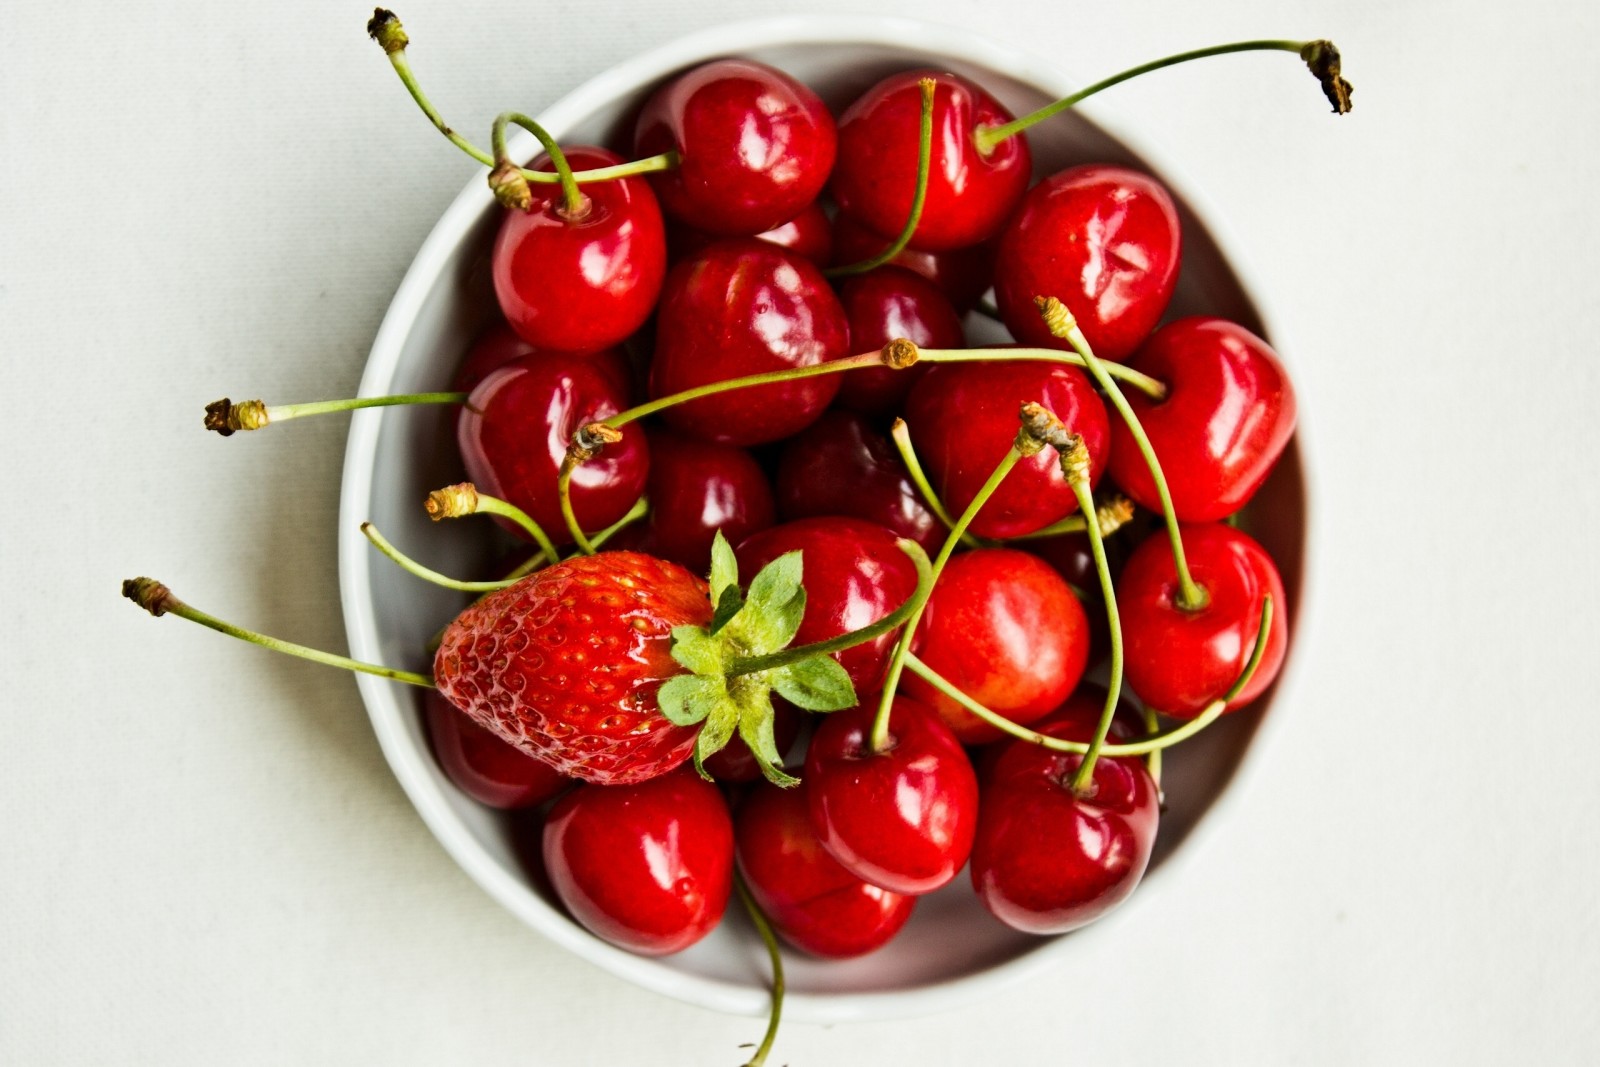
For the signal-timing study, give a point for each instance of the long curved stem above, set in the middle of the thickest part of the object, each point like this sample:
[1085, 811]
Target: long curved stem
[768, 938]
[576, 205]
[1212, 712]
[902, 649]
[226, 417]
[987, 137]
[1080, 489]
[1191, 596]
[158, 600]
[900, 434]
[427, 574]
[918, 197]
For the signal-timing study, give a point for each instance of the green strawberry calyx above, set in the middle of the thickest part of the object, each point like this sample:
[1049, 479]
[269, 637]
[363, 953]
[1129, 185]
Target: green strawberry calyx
[737, 662]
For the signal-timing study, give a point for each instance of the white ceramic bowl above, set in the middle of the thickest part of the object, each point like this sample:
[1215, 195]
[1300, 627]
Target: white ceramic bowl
[952, 951]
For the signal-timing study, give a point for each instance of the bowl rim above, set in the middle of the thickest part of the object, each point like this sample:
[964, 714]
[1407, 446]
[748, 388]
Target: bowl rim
[382, 698]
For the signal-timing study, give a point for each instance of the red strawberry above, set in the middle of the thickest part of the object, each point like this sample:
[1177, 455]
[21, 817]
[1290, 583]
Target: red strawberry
[566, 664]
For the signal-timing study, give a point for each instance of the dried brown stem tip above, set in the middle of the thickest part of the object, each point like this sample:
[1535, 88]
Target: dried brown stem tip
[1057, 319]
[149, 594]
[1075, 462]
[510, 187]
[900, 353]
[1323, 59]
[1040, 427]
[588, 442]
[384, 27]
[225, 417]
[452, 502]
[1114, 514]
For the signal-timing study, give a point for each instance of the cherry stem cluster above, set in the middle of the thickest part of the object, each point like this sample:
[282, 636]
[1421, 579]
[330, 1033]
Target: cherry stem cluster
[1191, 596]
[918, 197]
[987, 137]
[386, 30]
[900, 433]
[575, 204]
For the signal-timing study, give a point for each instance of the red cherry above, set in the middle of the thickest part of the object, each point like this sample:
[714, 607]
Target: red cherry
[496, 346]
[904, 818]
[1179, 661]
[1228, 413]
[754, 146]
[647, 867]
[743, 307]
[481, 765]
[808, 233]
[840, 466]
[695, 489]
[963, 419]
[883, 305]
[962, 274]
[812, 902]
[517, 424]
[1104, 240]
[1045, 860]
[854, 575]
[580, 285]
[970, 195]
[1004, 628]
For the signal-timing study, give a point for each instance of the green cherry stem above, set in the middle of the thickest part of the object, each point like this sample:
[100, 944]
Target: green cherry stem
[1313, 52]
[575, 205]
[870, 632]
[1152, 762]
[227, 418]
[918, 198]
[768, 938]
[1113, 515]
[385, 28]
[158, 600]
[1075, 465]
[900, 433]
[1191, 596]
[879, 739]
[427, 574]
[1212, 712]
[463, 499]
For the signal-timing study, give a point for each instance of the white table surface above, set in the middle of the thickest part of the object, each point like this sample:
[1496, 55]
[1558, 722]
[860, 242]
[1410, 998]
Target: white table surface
[203, 857]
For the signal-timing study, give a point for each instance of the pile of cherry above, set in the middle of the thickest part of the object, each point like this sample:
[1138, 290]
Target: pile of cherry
[606, 418]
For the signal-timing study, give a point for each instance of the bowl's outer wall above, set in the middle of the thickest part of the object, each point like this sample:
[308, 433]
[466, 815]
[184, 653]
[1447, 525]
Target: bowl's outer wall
[952, 950]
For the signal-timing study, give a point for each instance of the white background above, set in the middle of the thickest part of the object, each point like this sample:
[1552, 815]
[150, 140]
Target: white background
[203, 857]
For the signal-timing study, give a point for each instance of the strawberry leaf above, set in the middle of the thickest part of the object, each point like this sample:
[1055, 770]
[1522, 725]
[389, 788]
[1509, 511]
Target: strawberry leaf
[817, 683]
[688, 698]
[728, 606]
[755, 728]
[724, 568]
[717, 732]
[773, 609]
[697, 650]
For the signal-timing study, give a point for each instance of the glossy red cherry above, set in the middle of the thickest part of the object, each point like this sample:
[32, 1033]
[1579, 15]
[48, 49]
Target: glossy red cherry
[1228, 413]
[496, 346]
[743, 307]
[1073, 558]
[962, 274]
[882, 305]
[517, 424]
[1102, 239]
[754, 146]
[812, 902]
[483, 766]
[647, 867]
[809, 233]
[1045, 860]
[695, 489]
[854, 575]
[1179, 661]
[586, 283]
[963, 419]
[970, 194]
[840, 465]
[903, 818]
[1004, 628]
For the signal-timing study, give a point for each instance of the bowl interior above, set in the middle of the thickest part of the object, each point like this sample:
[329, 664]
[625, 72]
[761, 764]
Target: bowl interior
[952, 949]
